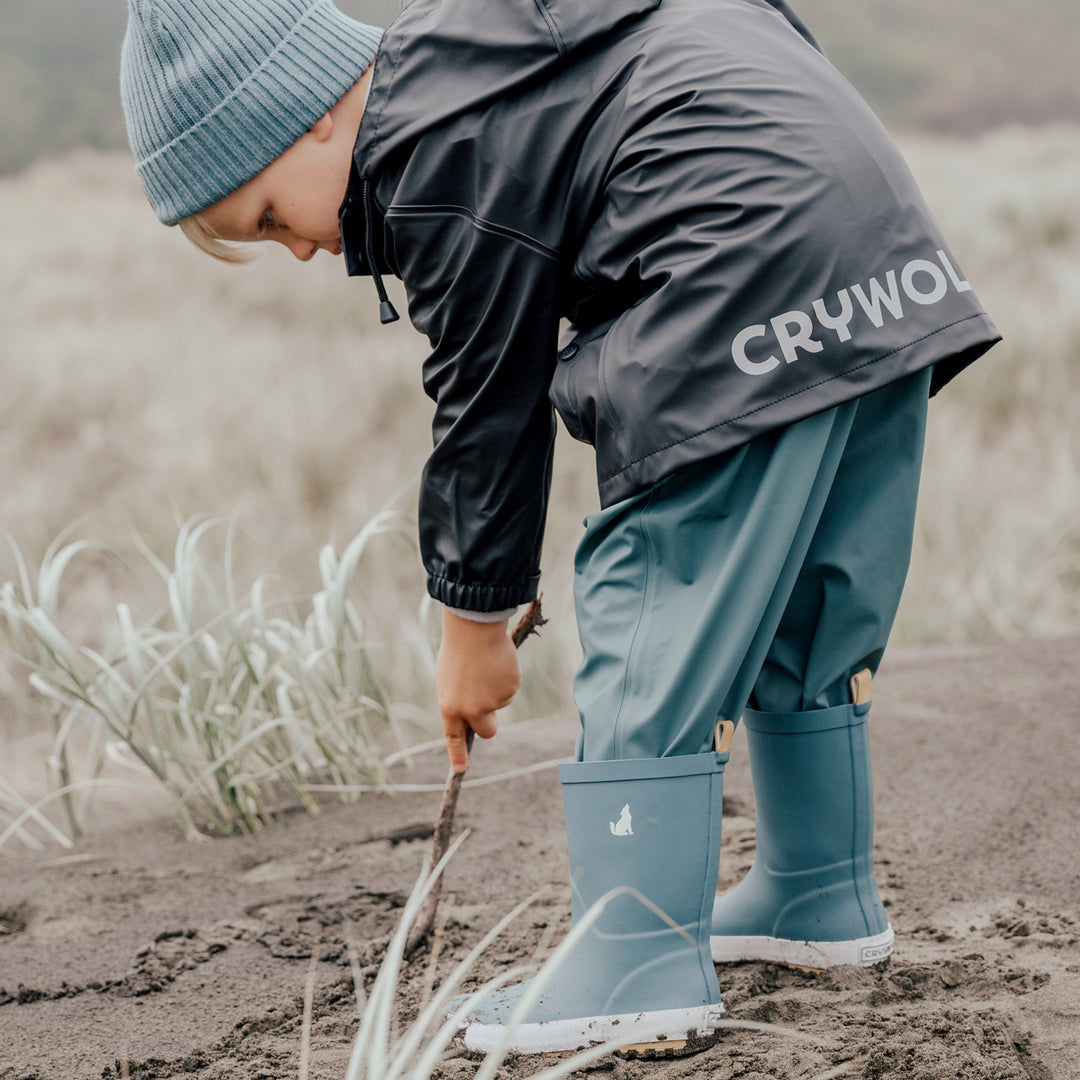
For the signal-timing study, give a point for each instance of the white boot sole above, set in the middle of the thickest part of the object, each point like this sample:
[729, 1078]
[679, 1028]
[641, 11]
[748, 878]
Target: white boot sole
[862, 952]
[659, 1029]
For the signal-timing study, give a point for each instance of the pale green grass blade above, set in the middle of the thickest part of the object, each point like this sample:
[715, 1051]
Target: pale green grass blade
[371, 1048]
[439, 1002]
[13, 806]
[53, 565]
[33, 812]
[22, 571]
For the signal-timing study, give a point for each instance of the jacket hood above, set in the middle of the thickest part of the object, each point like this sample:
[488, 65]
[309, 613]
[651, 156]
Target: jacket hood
[441, 58]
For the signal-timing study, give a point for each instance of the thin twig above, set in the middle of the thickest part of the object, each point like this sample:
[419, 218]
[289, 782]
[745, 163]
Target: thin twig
[412, 789]
[840, 1070]
[774, 1029]
[305, 1024]
[354, 966]
[437, 941]
[529, 624]
[550, 930]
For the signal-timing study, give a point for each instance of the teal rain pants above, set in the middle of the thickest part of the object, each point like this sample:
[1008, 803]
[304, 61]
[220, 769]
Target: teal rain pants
[767, 577]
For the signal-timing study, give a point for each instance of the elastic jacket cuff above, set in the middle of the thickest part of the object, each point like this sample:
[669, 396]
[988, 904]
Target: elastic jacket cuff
[473, 597]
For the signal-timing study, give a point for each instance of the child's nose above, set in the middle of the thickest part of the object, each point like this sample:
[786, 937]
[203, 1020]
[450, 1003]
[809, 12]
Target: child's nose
[304, 250]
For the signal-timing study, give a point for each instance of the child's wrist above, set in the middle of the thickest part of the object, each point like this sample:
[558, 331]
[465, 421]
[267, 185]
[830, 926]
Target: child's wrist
[461, 628]
[481, 616]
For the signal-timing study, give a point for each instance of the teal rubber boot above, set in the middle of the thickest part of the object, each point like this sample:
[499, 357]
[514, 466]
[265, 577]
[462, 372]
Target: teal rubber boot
[810, 899]
[652, 824]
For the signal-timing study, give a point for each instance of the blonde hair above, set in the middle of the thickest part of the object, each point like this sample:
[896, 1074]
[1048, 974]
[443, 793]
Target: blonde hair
[199, 232]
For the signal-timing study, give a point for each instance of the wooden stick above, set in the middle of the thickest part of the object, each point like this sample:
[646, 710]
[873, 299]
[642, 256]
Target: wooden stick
[528, 624]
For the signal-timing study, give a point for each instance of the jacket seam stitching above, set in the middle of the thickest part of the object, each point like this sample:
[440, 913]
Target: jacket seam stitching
[444, 209]
[382, 105]
[632, 656]
[794, 393]
[553, 28]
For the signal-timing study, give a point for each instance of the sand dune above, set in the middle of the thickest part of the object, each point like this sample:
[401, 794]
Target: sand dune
[190, 959]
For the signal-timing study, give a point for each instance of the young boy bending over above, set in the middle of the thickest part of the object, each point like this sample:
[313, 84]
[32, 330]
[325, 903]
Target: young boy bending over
[761, 306]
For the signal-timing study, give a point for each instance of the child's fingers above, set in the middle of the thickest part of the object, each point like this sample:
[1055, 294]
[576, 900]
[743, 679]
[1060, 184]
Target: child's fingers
[456, 747]
[455, 730]
[485, 725]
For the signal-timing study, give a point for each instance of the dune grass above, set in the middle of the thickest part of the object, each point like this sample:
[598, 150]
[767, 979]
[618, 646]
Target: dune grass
[231, 701]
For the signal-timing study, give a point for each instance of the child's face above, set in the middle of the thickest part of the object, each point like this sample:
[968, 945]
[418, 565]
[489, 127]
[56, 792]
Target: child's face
[296, 198]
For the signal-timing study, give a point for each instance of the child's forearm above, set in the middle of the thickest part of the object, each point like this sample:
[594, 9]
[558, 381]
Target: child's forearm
[476, 673]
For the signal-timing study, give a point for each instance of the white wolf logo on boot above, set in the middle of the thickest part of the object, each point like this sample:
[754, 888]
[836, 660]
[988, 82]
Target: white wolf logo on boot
[622, 827]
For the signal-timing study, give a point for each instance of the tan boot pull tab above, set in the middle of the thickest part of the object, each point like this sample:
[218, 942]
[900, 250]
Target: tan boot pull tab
[722, 736]
[860, 687]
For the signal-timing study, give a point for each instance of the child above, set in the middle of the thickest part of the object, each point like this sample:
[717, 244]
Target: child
[761, 305]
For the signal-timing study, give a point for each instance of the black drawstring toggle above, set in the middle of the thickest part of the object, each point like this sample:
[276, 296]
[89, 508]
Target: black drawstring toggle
[387, 313]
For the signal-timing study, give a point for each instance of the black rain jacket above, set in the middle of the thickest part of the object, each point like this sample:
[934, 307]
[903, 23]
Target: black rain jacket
[730, 231]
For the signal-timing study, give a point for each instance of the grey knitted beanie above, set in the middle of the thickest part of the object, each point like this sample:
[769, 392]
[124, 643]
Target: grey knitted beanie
[215, 90]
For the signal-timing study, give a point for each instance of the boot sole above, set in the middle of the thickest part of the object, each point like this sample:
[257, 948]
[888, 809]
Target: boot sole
[664, 1032]
[812, 955]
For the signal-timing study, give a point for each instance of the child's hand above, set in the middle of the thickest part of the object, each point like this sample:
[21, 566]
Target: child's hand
[476, 673]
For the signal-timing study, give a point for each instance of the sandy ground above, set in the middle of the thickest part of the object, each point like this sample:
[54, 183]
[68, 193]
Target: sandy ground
[144, 955]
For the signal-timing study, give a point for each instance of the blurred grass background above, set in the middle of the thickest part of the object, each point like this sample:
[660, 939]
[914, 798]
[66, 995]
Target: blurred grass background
[962, 67]
[141, 384]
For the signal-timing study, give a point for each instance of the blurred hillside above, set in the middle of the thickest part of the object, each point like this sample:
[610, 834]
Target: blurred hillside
[964, 67]
[960, 67]
[60, 68]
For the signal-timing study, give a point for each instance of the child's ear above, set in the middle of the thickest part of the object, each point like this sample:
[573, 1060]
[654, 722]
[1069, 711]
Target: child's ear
[323, 128]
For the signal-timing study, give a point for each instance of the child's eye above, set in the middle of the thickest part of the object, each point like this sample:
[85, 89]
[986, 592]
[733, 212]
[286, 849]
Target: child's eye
[266, 222]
